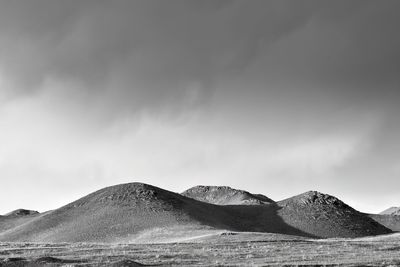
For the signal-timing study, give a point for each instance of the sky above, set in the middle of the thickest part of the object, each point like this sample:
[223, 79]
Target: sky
[274, 97]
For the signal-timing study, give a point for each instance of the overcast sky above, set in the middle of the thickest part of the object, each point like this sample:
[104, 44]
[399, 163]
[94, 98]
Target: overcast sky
[274, 97]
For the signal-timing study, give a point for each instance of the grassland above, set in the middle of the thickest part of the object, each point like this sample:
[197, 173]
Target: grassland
[222, 249]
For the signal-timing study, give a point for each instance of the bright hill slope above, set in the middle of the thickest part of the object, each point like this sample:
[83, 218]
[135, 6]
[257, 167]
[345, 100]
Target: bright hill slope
[225, 195]
[116, 212]
[391, 211]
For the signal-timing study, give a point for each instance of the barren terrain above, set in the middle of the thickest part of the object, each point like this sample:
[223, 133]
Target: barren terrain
[133, 224]
[219, 249]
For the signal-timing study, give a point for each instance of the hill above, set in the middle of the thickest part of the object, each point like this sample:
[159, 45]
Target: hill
[390, 221]
[22, 212]
[15, 218]
[137, 212]
[117, 212]
[324, 215]
[391, 211]
[389, 218]
[143, 213]
[225, 195]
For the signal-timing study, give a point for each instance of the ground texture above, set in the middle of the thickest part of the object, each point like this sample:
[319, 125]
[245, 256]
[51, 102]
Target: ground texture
[224, 249]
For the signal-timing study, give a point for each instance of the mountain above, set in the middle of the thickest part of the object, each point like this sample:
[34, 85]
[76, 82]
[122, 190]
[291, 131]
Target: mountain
[390, 218]
[225, 195]
[116, 212]
[137, 212]
[391, 211]
[324, 215]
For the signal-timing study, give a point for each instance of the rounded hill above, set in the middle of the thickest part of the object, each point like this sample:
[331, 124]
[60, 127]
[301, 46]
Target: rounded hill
[225, 195]
[327, 216]
[118, 212]
[391, 211]
[22, 212]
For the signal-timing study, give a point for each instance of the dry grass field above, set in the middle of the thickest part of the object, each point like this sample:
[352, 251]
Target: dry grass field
[137, 224]
[219, 249]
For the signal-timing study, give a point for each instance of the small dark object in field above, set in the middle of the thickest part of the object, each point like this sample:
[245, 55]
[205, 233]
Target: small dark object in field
[228, 233]
[55, 260]
[14, 262]
[311, 265]
[127, 263]
[14, 259]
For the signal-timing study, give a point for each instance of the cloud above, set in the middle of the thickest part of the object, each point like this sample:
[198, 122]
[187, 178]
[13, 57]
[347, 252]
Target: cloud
[137, 55]
[50, 154]
[273, 92]
[131, 56]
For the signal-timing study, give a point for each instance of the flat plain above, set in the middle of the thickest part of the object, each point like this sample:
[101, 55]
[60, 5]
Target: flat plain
[215, 249]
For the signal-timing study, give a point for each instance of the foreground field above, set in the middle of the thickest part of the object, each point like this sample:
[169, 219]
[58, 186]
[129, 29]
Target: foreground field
[228, 248]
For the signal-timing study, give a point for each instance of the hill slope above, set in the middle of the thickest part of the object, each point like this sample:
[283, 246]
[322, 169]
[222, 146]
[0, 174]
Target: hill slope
[15, 218]
[391, 211]
[225, 195]
[389, 218]
[116, 212]
[390, 221]
[326, 216]
[138, 212]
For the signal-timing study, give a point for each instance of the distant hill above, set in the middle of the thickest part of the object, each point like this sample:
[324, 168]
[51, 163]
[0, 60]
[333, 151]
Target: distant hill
[22, 212]
[136, 211]
[390, 221]
[391, 211]
[225, 195]
[327, 216]
[390, 218]
[16, 218]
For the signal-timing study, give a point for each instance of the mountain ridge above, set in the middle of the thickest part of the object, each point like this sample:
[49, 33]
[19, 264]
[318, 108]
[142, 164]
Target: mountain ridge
[125, 212]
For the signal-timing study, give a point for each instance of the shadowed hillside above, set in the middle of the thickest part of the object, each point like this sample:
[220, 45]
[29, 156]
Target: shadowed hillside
[390, 221]
[125, 212]
[225, 195]
[389, 218]
[326, 216]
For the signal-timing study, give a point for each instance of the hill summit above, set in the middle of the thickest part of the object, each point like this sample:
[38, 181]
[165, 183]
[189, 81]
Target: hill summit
[225, 195]
[391, 211]
[327, 216]
[22, 212]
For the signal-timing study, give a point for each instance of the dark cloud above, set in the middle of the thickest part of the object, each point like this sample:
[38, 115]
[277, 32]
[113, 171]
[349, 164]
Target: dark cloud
[142, 53]
[291, 58]
[313, 74]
